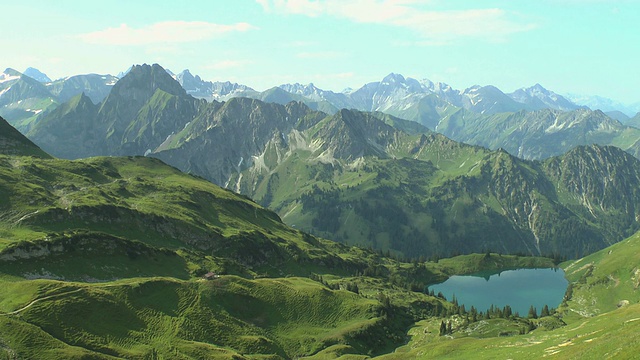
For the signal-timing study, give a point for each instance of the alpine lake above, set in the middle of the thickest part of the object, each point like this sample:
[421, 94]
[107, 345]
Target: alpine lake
[520, 289]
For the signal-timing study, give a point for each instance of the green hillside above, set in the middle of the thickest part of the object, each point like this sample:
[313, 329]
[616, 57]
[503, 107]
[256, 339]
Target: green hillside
[370, 180]
[96, 253]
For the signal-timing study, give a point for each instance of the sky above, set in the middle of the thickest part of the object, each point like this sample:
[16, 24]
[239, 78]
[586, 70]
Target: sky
[588, 47]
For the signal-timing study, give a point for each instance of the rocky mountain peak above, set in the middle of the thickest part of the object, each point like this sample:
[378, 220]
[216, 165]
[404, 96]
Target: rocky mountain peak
[393, 78]
[185, 77]
[140, 84]
[351, 134]
[10, 72]
[37, 74]
[185, 74]
[398, 81]
[538, 97]
[301, 89]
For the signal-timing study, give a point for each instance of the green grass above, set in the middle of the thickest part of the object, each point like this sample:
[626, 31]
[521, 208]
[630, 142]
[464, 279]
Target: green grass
[604, 280]
[133, 318]
[612, 335]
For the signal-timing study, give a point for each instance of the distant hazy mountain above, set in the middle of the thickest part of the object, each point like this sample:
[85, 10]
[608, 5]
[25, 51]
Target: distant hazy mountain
[122, 74]
[14, 87]
[538, 134]
[538, 98]
[634, 121]
[310, 91]
[489, 100]
[95, 86]
[23, 98]
[618, 115]
[196, 87]
[37, 74]
[423, 100]
[595, 102]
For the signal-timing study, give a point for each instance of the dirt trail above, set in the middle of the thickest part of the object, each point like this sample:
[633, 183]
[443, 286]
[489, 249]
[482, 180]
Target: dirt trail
[40, 299]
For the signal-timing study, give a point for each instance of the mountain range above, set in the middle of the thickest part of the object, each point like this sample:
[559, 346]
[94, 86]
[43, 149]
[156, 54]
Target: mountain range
[208, 90]
[540, 134]
[364, 178]
[605, 104]
[126, 257]
[479, 108]
[23, 97]
[395, 94]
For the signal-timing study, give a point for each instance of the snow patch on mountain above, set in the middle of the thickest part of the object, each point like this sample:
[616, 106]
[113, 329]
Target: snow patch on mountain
[6, 78]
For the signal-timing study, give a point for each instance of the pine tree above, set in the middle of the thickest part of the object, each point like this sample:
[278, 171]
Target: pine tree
[507, 312]
[545, 311]
[533, 313]
[443, 328]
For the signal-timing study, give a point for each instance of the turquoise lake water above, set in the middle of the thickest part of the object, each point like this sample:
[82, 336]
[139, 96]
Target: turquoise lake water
[517, 288]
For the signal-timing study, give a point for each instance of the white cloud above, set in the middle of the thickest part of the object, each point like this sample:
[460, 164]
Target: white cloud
[163, 33]
[490, 24]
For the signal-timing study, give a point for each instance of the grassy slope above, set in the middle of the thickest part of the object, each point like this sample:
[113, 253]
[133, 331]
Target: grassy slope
[122, 222]
[611, 335]
[155, 221]
[604, 280]
[136, 318]
[12, 142]
[25, 113]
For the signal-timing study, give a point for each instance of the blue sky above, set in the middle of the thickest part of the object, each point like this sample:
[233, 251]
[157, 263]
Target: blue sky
[569, 46]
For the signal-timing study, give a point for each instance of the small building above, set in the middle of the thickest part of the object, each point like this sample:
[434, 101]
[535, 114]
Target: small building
[210, 275]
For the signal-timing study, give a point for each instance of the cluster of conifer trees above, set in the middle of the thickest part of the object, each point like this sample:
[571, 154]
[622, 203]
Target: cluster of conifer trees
[473, 315]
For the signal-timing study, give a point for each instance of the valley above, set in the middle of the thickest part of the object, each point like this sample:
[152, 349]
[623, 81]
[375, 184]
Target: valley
[319, 180]
[268, 225]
